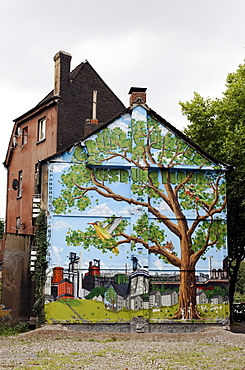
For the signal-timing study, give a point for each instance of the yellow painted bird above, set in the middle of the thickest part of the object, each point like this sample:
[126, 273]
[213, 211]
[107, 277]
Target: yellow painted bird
[104, 229]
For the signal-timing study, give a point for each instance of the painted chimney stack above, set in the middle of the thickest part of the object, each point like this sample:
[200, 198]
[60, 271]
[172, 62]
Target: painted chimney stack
[62, 63]
[137, 94]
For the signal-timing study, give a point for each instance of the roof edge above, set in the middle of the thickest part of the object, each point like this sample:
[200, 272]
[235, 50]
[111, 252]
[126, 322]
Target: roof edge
[38, 107]
[161, 120]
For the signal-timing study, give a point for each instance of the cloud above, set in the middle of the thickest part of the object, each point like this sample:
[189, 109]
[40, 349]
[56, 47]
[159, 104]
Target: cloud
[158, 264]
[164, 207]
[119, 123]
[101, 210]
[60, 167]
[60, 225]
[126, 211]
[131, 209]
[164, 131]
[56, 255]
[137, 116]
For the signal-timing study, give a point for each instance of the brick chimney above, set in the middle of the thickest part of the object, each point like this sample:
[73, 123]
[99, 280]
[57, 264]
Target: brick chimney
[62, 63]
[137, 94]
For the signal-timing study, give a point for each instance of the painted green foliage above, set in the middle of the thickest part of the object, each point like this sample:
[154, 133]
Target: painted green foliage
[159, 168]
[111, 297]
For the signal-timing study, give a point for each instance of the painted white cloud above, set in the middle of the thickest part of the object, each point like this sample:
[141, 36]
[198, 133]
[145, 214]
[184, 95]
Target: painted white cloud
[158, 264]
[60, 167]
[104, 267]
[56, 254]
[101, 210]
[60, 225]
[128, 210]
[164, 131]
[137, 116]
[144, 262]
[164, 207]
[122, 124]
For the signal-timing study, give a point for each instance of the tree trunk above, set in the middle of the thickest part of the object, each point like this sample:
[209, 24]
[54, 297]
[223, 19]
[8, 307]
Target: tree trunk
[187, 295]
[187, 289]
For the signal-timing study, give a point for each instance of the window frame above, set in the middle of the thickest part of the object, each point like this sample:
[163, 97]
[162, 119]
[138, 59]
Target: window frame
[20, 184]
[41, 130]
[24, 135]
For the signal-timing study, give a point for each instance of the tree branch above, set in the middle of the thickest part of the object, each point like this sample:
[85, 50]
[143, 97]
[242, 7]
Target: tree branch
[195, 257]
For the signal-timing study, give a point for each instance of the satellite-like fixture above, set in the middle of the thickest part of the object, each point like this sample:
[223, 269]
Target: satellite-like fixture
[15, 184]
[18, 223]
[15, 136]
[14, 141]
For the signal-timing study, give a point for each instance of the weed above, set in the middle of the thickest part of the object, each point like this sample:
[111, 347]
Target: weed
[6, 330]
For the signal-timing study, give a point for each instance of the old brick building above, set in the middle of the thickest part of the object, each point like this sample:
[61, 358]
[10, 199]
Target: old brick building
[79, 101]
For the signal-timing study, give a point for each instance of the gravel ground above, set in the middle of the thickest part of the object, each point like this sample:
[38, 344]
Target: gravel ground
[57, 348]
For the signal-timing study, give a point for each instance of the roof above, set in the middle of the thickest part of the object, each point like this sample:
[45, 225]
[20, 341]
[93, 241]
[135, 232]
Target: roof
[137, 89]
[171, 128]
[66, 139]
[65, 281]
[168, 292]
[121, 289]
[154, 292]
[73, 74]
[162, 121]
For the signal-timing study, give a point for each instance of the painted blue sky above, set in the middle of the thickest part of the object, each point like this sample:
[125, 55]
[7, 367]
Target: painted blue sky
[101, 208]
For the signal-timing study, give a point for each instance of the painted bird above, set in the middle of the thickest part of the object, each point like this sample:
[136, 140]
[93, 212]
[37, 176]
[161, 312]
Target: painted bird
[104, 229]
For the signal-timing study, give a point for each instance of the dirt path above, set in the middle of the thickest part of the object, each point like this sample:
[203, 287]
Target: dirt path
[53, 347]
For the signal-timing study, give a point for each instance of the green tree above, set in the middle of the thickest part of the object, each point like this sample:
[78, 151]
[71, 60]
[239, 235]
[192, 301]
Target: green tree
[96, 292]
[219, 126]
[217, 290]
[240, 285]
[111, 298]
[144, 148]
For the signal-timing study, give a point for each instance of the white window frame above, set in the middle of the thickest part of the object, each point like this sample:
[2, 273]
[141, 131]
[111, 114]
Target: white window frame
[41, 134]
[20, 180]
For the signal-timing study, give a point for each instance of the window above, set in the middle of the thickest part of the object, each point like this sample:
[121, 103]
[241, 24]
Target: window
[41, 129]
[24, 135]
[20, 184]
[37, 189]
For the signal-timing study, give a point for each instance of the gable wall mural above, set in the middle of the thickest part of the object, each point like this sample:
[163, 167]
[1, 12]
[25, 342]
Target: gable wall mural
[137, 227]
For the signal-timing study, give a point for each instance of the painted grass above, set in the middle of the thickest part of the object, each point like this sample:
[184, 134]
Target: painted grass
[81, 310]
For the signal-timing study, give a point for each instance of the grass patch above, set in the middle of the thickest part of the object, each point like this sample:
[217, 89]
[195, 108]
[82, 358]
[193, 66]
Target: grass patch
[6, 330]
[91, 311]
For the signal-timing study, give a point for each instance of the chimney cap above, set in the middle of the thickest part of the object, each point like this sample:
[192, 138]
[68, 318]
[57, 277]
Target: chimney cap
[137, 89]
[61, 52]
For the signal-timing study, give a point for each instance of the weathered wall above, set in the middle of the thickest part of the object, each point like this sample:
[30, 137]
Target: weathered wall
[25, 158]
[17, 288]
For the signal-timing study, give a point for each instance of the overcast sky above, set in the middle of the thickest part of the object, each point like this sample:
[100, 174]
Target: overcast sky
[172, 47]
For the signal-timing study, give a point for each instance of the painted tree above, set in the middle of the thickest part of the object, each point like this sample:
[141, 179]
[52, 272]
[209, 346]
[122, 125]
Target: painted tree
[111, 298]
[153, 155]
